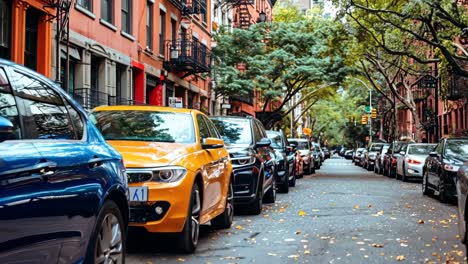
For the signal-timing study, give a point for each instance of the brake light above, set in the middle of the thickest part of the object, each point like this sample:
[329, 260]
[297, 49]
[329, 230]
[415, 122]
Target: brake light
[412, 161]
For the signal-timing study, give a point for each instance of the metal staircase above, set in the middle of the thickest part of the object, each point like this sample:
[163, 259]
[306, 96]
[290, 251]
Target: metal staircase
[244, 19]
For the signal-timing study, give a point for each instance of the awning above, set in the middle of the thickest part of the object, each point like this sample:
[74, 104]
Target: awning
[72, 52]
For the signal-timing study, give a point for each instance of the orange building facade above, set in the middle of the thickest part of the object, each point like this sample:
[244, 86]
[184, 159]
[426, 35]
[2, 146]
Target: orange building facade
[26, 33]
[118, 52]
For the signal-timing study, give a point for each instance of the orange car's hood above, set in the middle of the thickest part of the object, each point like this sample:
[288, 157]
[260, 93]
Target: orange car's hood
[139, 154]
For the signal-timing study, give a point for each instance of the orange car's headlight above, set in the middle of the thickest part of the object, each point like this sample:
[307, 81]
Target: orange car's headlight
[168, 174]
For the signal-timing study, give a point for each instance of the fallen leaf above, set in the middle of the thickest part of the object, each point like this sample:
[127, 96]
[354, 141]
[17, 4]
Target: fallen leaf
[306, 252]
[377, 245]
[369, 205]
[239, 227]
[444, 222]
[400, 258]
[403, 244]
[356, 207]
[181, 259]
[420, 221]
[271, 254]
[293, 256]
[360, 243]
[298, 232]
[282, 210]
[354, 238]
[301, 213]
[408, 206]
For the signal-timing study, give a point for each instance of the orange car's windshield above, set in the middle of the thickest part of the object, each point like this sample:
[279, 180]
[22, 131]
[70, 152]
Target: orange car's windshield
[145, 126]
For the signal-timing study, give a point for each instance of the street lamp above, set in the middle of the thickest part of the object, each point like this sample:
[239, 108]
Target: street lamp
[262, 16]
[370, 107]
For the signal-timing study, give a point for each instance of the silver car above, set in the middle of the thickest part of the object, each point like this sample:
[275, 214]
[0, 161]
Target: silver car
[410, 162]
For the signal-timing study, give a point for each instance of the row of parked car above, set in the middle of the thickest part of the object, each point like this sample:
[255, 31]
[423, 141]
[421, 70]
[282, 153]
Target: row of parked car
[442, 168]
[72, 182]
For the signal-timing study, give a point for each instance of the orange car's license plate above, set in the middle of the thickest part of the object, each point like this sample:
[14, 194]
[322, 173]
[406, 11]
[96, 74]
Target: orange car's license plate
[138, 194]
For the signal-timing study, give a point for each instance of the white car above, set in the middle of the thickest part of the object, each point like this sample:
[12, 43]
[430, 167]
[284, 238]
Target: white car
[410, 163]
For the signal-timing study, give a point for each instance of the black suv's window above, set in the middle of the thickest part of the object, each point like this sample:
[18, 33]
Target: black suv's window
[234, 130]
[8, 107]
[457, 148]
[45, 115]
[257, 131]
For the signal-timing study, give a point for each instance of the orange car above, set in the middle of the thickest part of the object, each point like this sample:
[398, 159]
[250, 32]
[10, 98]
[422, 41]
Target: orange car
[179, 171]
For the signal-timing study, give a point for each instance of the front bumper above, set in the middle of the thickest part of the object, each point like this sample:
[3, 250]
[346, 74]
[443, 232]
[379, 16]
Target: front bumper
[245, 184]
[172, 198]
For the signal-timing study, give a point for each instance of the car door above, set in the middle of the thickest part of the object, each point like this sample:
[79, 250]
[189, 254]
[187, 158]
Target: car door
[433, 164]
[401, 159]
[23, 226]
[78, 163]
[265, 153]
[213, 167]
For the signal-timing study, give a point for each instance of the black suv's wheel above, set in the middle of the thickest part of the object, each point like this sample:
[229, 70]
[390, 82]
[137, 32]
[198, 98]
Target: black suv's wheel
[284, 186]
[225, 219]
[443, 197]
[425, 187]
[107, 244]
[292, 182]
[188, 238]
[270, 196]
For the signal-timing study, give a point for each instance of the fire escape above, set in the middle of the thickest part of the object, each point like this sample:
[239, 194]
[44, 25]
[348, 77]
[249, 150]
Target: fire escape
[187, 55]
[243, 17]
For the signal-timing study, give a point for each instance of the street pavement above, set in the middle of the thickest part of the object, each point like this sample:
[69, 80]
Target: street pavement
[341, 214]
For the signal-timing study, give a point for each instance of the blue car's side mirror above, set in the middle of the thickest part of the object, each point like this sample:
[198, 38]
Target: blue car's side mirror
[6, 129]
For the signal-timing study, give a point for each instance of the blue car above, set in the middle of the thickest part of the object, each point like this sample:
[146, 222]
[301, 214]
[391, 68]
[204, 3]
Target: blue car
[63, 190]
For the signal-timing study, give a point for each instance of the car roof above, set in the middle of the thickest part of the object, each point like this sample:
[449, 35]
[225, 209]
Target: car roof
[298, 139]
[145, 108]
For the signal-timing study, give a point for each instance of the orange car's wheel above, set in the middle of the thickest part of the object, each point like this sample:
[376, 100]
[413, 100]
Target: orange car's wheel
[225, 219]
[188, 238]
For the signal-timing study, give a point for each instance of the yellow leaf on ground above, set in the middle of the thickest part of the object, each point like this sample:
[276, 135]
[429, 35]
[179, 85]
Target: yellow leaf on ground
[301, 213]
[239, 227]
[181, 259]
[400, 258]
[420, 221]
[281, 210]
[408, 206]
[444, 222]
[306, 252]
[356, 207]
[377, 245]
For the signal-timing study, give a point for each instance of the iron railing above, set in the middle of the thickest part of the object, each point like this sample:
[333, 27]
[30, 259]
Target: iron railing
[188, 7]
[190, 56]
[457, 87]
[90, 98]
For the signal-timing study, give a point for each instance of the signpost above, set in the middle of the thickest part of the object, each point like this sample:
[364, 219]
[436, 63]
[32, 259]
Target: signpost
[175, 102]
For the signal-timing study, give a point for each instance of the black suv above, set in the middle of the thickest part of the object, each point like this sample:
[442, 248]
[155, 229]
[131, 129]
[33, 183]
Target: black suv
[285, 160]
[252, 160]
[440, 168]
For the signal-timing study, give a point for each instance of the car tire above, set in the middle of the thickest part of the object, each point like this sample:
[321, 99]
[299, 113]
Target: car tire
[404, 178]
[270, 195]
[443, 198]
[225, 219]
[292, 182]
[256, 207]
[188, 238]
[311, 169]
[284, 186]
[425, 185]
[109, 229]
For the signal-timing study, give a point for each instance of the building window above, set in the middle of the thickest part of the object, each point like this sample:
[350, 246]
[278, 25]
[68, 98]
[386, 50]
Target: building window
[5, 23]
[204, 8]
[30, 48]
[162, 31]
[87, 4]
[107, 8]
[173, 31]
[127, 16]
[149, 25]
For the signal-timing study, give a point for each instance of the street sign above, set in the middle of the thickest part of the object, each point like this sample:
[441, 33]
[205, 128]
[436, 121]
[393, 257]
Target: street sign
[427, 81]
[175, 102]
[226, 106]
[367, 109]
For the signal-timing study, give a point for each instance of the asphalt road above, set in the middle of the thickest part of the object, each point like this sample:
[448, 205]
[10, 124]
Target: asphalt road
[341, 214]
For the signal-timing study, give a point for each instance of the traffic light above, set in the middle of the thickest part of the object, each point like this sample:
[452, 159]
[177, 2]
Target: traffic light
[374, 113]
[364, 119]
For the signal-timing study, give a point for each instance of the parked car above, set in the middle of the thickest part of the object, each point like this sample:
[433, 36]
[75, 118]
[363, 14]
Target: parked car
[253, 167]
[171, 151]
[326, 153]
[304, 148]
[411, 160]
[285, 161]
[349, 154]
[390, 158]
[63, 189]
[357, 156]
[462, 195]
[442, 165]
[299, 162]
[317, 150]
[371, 155]
[362, 158]
[379, 159]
